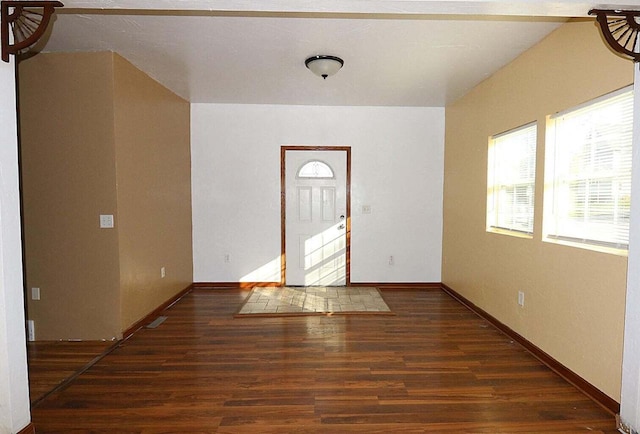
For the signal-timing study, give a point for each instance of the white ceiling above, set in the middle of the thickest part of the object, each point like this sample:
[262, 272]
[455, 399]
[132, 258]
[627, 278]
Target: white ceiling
[396, 53]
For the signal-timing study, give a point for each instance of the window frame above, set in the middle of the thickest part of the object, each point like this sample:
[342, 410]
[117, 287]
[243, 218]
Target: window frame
[495, 186]
[552, 232]
[300, 175]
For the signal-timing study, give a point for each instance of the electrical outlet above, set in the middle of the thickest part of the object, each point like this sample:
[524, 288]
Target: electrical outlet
[521, 298]
[227, 258]
[163, 272]
[35, 293]
[31, 330]
[366, 209]
[106, 221]
[391, 260]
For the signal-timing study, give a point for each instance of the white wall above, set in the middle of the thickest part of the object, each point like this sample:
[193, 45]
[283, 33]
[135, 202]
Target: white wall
[397, 169]
[14, 386]
[630, 401]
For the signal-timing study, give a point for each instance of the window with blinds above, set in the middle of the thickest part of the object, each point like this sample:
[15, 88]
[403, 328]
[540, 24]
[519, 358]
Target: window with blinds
[511, 180]
[589, 172]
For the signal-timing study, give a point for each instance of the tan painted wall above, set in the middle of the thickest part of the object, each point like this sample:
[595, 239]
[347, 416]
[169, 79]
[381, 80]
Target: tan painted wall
[574, 298]
[101, 137]
[153, 163]
[68, 161]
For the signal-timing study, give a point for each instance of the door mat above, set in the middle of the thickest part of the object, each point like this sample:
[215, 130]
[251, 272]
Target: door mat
[313, 300]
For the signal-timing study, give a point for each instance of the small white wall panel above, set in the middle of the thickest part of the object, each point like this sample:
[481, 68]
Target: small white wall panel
[328, 204]
[304, 260]
[305, 204]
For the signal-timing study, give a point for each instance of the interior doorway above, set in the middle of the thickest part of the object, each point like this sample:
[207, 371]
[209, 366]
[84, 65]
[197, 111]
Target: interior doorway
[316, 209]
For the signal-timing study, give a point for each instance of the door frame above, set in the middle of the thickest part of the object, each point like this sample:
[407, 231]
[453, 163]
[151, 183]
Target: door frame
[283, 205]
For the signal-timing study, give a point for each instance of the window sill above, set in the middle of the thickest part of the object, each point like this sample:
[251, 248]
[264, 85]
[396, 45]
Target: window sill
[515, 234]
[586, 246]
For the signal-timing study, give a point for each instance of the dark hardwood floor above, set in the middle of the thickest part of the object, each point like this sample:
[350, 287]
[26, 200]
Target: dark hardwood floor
[433, 367]
[51, 363]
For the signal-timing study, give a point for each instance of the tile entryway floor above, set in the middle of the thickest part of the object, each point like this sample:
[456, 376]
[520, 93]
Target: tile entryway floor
[313, 299]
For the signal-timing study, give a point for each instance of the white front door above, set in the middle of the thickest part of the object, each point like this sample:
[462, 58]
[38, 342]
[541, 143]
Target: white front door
[316, 217]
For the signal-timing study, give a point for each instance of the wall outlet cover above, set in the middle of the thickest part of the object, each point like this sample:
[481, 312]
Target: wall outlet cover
[31, 330]
[106, 221]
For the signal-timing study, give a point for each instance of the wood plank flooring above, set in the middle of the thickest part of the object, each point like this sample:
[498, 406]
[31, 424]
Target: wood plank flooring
[433, 367]
[53, 362]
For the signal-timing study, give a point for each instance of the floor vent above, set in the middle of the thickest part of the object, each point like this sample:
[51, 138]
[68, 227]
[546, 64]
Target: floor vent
[156, 322]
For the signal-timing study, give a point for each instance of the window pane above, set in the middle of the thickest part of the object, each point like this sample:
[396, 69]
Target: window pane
[511, 180]
[589, 157]
[315, 169]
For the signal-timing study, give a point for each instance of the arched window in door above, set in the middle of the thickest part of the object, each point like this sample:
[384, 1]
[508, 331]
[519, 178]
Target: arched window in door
[315, 169]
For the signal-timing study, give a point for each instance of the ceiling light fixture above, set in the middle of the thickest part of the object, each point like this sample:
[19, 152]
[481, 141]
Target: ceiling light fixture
[324, 66]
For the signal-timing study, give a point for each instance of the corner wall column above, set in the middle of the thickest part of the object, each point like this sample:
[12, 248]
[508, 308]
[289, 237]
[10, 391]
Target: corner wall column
[630, 399]
[14, 387]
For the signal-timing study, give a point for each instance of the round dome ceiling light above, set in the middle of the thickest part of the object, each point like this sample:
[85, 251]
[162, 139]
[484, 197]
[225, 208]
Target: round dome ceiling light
[324, 66]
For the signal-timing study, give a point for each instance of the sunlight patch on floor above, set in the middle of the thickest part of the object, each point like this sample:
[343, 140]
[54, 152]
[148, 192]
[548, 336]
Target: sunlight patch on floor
[313, 299]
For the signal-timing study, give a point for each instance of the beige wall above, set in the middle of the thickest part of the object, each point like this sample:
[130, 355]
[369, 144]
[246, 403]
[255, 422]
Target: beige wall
[153, 161]
[68, 179]
[574, 298]
[100, 137]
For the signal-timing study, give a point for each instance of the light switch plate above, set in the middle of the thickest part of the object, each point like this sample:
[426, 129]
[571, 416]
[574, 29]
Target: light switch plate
[106, 220]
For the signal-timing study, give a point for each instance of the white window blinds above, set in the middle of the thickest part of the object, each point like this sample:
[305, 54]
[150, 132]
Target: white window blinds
[511, 180]
[589, 166]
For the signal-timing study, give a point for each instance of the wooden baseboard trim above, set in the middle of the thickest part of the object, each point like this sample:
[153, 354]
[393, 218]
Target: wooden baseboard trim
[67, 381]
[29, 429]
[577, 381]
[155, 313]
[126, 335]
[381, 285]
[232, 285]
[417, 286]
